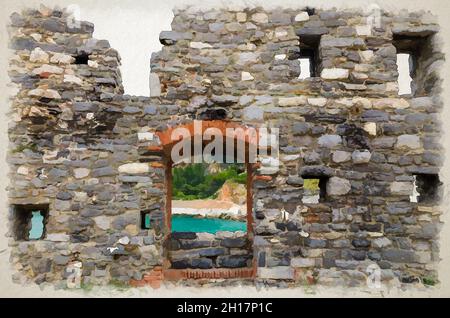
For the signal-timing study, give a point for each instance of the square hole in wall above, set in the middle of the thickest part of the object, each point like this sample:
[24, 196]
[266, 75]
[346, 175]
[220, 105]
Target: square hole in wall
[314, 189]
[426, 188]
[29, 221]
[152, 219]
[81, 58]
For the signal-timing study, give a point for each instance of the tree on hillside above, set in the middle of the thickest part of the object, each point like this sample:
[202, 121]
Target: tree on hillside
[194, 181]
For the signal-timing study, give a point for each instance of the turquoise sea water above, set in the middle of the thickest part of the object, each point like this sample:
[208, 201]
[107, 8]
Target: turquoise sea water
[37, 226]
[187, 223]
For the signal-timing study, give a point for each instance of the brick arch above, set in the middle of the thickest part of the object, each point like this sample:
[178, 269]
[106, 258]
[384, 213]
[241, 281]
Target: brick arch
[165, 137]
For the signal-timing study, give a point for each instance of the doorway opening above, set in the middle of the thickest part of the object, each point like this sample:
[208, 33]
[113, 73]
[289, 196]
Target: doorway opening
[209, 217]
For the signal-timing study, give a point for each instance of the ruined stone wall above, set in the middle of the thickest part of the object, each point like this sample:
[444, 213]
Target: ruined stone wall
[93, 154]
[72, 139]
[206, 250]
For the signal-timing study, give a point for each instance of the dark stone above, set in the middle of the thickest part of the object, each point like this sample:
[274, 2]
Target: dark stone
[316, 171]
[131, 110]
[40, 279]
[84, 107]
[150, 109]
[181, 264]
[57, 173]
[301, 128]
[318, 130]
[41, 266]
[202, 263]
[53, 25]
[234, 242]
[84, 27]
[64, 196]
[399, 208]
[213, 114]
[409, 279]
[78, 224]
[293, 226]
[103, 172]
[172, 37]
[23, 44]
[106, 81]
[17, 20]
[280, 18]
[210, 252]
[105, 196]
[183, 235]
[79, 238]
[375, 116]
[429, 231]
[262, 259]
[294, 181]
[371, 227]
[399, 256]
[91, 212]
[327, 118]
[291, 238]
[330, 257]
[355, 137]
[360, 243]
[358, 255]
[189, 244]
[311, 31]
[315, 243]
[280, 226]
[232, 261]
[374, 256]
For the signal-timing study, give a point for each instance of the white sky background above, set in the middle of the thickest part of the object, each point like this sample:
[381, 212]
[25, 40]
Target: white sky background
[134, 33]
[133, 27]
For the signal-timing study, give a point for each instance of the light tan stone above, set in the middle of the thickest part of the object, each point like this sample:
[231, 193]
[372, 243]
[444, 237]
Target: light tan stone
[334, 73]
[301, 17]
[39, 56]
[371, 128]
[292, 101]
[134, 168]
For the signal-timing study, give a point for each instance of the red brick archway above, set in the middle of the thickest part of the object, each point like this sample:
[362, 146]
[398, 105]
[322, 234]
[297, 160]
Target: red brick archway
[167, 144]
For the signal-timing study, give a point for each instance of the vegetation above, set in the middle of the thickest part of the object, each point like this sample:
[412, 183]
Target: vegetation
[311, 184]
[428, 280]
[119, 284]
[197, 181]
[22, 147]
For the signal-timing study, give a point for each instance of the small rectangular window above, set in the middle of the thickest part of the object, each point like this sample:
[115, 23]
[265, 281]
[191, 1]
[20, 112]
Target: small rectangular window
[29, 221]
[152, 219]
[314, 189]
[411, 63]
[426, 189]
[309, 56]
[145, 220]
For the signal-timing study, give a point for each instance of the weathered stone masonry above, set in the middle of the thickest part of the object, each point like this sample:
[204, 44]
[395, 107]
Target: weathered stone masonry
[92, 155]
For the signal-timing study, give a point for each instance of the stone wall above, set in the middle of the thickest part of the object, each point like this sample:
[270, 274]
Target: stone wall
[93, 155]
[205, 250]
